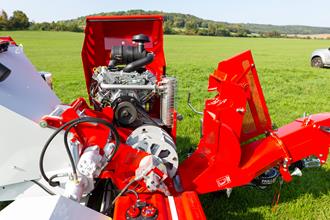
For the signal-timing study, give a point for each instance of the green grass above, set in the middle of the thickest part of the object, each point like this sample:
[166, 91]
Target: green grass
[290, 85]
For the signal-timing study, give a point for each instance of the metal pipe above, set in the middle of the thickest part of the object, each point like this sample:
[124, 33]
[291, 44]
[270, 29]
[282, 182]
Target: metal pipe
[192, 107]
[118, 86]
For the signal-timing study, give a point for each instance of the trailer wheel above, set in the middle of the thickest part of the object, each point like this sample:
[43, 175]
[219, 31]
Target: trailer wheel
[317, 62]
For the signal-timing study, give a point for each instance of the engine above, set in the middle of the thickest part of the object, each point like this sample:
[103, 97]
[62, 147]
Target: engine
[141, 103]
[131, 89]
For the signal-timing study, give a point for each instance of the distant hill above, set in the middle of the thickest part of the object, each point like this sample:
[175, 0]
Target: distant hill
[178, 23]
[286, 29]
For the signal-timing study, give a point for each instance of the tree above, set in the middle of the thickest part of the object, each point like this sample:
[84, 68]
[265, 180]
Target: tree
[212, 29]
[204, 24]
[203, 32]
[19, 21]
[272, 34]
[191, 27]
[3, 20]
[222, 31]
[179, 22]
[168, 28]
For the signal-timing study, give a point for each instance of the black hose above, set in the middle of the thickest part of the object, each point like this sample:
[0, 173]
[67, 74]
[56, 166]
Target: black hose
[51, 179]
[71, 124]
[96, 120]
[139, 63]
[56, 176]
[43, 187]
[42, 155]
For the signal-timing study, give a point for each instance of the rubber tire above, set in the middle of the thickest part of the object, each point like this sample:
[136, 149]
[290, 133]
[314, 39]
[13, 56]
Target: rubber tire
[317, 62]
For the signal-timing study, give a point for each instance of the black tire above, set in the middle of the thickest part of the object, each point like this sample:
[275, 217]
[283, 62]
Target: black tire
[317, 62]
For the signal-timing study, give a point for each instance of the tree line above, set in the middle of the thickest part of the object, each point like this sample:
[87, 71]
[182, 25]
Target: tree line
[20, 21]
[174, 23]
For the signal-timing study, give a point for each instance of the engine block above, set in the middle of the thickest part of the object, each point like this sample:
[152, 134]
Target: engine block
[129, 93]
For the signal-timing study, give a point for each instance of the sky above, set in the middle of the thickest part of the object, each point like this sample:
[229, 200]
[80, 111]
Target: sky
[277, 12]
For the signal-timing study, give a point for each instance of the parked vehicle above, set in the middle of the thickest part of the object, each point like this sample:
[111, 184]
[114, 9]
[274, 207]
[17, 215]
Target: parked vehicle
[321, 58]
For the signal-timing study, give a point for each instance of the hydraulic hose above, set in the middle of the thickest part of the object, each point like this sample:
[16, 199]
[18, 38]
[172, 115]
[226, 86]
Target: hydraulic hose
[139, 63]
[71, 124]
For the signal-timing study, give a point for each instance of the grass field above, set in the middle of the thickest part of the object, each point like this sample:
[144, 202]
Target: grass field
[290, 85]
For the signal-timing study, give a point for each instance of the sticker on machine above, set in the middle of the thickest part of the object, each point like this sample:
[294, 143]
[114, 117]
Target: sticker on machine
[223, 181]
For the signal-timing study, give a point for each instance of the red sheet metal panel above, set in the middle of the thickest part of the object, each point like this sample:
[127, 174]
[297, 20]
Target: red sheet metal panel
[241, 70]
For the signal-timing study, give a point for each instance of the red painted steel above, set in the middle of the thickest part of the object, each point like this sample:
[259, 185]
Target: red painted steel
[225, 156]
[103, 32]
[237, 113]
[7, 39]
[223, 159]
[183, 206]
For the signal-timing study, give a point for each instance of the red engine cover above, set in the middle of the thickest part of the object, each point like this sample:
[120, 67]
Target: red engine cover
[103, 32]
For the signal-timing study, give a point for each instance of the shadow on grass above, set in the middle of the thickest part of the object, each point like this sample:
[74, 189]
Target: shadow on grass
[184, 147]
[245, 200]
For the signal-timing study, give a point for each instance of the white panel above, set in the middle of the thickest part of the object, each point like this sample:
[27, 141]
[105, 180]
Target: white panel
[49, 207]
[11, 192]
[30, 189]
[24, 91]
[21, 142]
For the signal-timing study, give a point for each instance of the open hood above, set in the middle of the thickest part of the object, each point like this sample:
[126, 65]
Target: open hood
[103, 32]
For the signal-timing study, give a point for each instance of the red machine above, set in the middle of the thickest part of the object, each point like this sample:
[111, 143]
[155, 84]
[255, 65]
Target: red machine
[128, 166]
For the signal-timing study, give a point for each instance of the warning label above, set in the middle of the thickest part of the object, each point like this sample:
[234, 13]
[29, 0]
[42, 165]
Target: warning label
[223, 181]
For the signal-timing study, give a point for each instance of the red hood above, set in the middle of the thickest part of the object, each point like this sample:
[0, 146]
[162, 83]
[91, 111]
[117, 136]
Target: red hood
[103, 32]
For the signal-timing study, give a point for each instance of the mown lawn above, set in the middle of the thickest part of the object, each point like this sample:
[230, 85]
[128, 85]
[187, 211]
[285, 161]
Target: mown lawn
[290, 85]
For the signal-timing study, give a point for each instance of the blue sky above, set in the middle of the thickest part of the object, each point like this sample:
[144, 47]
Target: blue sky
[279, 12]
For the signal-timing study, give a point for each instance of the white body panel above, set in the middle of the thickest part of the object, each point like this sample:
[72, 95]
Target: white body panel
[29, 189]
[24, 91]
[24, 98]
[49, 207]
[21, 142]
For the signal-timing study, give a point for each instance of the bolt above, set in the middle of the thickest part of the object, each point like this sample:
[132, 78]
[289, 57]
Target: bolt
[240, 110]
[124, 113]
[43, 124]
[285, 163]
